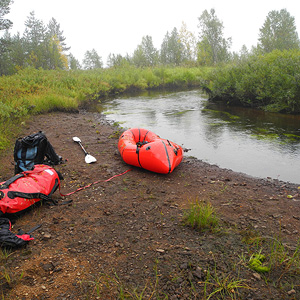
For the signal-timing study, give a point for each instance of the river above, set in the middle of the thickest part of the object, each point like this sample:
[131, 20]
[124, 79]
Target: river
[260, 144]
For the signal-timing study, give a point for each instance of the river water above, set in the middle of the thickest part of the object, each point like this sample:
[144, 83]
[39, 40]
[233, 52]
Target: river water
[241, 139]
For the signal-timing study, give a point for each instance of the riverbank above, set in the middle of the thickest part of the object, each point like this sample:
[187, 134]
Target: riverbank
[125, 237]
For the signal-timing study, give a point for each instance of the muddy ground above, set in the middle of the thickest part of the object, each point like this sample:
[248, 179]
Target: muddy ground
[125, 239]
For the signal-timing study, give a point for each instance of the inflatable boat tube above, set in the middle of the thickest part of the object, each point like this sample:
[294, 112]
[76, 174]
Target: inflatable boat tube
[142, 148]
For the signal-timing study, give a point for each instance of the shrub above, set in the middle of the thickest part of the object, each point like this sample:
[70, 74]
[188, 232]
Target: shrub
[269, 81]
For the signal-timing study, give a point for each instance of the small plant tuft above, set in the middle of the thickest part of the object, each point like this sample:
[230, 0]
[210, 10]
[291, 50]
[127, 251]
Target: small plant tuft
[201, 216]
[256, 263]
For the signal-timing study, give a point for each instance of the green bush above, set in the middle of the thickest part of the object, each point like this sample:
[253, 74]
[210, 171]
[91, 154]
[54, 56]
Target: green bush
[270, 81]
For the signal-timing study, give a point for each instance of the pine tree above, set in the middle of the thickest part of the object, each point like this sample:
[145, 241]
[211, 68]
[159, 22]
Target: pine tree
[4, 10]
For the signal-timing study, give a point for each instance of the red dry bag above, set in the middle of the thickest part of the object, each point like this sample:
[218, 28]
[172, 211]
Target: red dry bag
[26, 188]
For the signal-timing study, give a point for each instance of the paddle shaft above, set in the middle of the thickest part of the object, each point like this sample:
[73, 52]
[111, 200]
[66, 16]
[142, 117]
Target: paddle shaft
[82, 148]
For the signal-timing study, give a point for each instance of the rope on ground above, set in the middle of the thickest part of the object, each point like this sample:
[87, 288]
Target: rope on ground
[89, 185]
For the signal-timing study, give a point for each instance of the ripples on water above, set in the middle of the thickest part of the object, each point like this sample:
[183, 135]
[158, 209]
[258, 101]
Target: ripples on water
[245, 140]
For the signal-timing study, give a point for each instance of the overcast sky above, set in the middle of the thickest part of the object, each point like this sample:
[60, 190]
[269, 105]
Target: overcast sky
[117, 26]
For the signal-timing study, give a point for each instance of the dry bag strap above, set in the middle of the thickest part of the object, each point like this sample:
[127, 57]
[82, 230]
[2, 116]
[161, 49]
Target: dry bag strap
[8, 182]
[14, 194]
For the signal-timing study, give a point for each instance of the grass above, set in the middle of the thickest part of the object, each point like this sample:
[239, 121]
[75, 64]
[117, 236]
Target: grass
[32, 91]
[5, 253]
[201, 216]
[225, 287]
[107, 286]
[8, 278]
[272, 259]
[215, 286]
[5, 276]
[278, 264]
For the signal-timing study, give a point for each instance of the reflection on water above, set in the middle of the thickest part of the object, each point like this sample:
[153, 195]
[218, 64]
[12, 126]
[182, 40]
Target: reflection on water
[245, 140]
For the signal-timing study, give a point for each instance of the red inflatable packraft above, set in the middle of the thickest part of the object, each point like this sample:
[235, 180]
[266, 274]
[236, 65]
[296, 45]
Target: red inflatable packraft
[26, 188]
[142, 148]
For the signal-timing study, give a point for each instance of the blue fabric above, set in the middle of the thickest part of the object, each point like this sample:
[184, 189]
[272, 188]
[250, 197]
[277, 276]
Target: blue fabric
[28, 163]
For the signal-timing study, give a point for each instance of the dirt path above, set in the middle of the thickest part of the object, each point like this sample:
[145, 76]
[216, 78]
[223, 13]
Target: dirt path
[126, 237]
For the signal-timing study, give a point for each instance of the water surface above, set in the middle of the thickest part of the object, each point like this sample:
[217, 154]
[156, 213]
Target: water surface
[245, 140]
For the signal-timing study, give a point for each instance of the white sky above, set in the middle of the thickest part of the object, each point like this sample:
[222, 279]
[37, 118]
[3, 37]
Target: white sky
[117, 26]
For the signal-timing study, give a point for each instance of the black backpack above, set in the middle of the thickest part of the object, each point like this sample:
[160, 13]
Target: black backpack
[34, 149]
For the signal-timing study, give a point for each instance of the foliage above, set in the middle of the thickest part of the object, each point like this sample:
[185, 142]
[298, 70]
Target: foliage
[146, 54]
[55, 31]
[40, 47]
[117, 60]
[211, 37]
[74, 64]
[256, 263]
[188, 40]
[172, 49]
[44, 47]
[278, 32]
[4, 10]
[4, 42]
[278, 263]
[270, 81]
[205, 53]
[92, 60]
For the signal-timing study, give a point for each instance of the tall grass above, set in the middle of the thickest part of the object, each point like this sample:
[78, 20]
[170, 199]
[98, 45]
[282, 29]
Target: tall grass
[32, 91]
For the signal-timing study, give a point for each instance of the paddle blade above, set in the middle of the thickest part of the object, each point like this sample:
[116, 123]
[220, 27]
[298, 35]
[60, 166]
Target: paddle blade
[76, 139]
[90, 159]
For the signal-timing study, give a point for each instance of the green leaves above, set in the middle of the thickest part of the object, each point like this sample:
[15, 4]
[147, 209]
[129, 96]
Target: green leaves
[40, 47]
[214, 48]
[256, 263]
[278, 32]
[266, 81]
[92, 60]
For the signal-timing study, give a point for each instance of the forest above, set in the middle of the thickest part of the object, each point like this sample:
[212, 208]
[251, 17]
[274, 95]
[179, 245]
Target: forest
[44, 45]
[40, 74]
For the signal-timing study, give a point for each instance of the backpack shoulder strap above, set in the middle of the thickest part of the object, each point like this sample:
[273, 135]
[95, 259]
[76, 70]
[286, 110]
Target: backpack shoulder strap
[18, 146]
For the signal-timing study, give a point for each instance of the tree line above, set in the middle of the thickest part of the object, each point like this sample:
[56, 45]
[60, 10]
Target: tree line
[44, 46]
